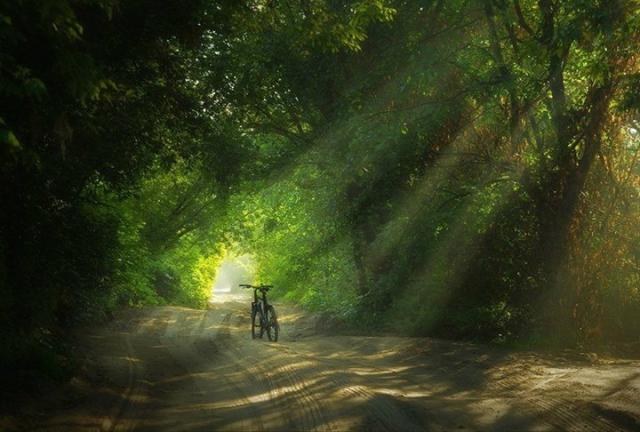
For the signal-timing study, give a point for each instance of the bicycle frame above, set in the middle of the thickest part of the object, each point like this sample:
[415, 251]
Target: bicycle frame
[257, 300]
[261, 308]
[260, 303]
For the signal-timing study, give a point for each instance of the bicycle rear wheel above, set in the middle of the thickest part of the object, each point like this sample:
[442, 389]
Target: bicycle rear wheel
[273, 328]
[256, 324]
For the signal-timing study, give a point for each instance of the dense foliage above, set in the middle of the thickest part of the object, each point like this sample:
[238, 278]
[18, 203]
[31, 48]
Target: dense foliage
[458, 168]
[469, 169]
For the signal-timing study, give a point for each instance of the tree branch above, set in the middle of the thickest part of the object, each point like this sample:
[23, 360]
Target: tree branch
[521, 19]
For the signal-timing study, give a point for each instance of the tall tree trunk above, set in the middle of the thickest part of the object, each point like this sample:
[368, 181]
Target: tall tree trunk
[560, 205]
[562, 181]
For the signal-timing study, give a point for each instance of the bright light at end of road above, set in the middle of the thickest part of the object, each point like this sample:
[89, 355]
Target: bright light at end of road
[233, 270]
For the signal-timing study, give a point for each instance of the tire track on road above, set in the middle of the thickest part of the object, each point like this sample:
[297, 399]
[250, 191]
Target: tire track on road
[283, 382]
[300, 394]
[132, 394]
[567, 414]
[219, 341]
[381, 409]
[285, 388]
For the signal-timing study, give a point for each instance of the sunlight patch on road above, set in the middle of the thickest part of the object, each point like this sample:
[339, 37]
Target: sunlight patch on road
[357, 391]
[231, 297]
[130, 359]
[294, 366]
[404, 394]
[386, 371]
[263, 397]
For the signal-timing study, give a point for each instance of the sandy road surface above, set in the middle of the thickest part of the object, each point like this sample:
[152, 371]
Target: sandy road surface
[173, 369]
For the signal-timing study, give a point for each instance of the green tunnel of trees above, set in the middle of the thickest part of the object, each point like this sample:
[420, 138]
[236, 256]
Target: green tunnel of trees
[463, 169]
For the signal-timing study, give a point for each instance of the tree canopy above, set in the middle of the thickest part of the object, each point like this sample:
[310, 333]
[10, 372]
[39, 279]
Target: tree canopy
[454, 168]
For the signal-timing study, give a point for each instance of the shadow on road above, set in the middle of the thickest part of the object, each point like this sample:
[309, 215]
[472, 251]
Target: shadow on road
[170, 368]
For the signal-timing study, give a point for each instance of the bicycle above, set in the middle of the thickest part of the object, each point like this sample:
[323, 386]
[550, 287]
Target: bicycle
[263, 315]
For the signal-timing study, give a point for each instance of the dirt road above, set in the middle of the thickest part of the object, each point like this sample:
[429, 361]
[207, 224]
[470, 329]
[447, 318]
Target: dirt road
[178, 369]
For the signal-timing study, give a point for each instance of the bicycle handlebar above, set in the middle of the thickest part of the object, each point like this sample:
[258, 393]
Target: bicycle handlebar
[260, 287]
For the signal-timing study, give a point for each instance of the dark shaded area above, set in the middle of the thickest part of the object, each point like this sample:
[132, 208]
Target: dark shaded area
[461, 169]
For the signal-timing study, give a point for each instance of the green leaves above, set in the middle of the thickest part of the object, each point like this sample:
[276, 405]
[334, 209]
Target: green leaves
[8, 138]
[369, 153]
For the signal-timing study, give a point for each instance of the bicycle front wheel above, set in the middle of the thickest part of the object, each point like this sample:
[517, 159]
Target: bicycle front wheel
[256, 324]
[273, 328]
